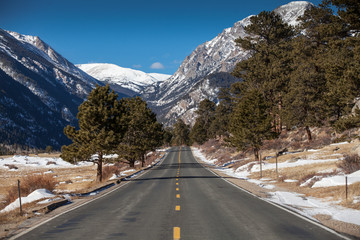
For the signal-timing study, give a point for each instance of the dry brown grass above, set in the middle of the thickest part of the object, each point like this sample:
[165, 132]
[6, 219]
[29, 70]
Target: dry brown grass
[324, 151]
[29, 184]
[350, 164]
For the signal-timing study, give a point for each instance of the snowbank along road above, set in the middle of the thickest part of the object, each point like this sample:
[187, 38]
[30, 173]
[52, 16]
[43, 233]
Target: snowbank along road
[178, 199]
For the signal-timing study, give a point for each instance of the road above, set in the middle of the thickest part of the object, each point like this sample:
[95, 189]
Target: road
[178, 199]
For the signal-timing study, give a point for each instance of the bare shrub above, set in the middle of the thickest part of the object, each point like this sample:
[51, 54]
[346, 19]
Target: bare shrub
[51, 163]
[11, 166]
[342, 138]
[29, 184]
[223, 158]
[275, 144]
[295, 145]
[282, 178]
[211, 143]
[108, 171]
[350, 164]
[250, 166]
[240, 155]
[315, 177]
[242, 163]
[306, 178]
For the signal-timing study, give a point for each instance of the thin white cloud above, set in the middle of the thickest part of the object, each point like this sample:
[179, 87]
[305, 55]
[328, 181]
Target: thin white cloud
[157, 65]
[137, 66]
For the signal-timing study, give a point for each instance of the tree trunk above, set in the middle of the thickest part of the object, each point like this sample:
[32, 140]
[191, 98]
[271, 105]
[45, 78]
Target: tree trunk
[308, 132]
[256, 154]
[99, 175]
[142, 160]
[132, 163]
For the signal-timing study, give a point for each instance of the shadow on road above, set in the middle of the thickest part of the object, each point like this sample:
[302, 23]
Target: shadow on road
[180, 177]
[176, 166]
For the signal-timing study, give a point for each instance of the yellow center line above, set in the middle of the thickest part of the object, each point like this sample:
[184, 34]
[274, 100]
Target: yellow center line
[177, 208]
[177, 189]
[177, 183]
[176, 233]
[177, 179]
[177, 195]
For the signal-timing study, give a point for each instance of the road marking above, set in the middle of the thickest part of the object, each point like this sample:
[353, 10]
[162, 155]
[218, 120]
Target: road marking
[176, 233]
[177, 179]
[177, 189]
[177, 208]
[177, 195]
[177, 183]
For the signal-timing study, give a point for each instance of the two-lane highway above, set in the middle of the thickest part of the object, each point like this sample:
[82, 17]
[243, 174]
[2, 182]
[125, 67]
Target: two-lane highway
[178, 199]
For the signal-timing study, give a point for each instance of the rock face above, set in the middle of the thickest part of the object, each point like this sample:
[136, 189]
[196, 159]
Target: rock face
[40, 91]
[123, 80]
[215, 56]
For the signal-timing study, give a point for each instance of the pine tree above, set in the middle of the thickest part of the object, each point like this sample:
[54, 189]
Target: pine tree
[349, 11]
[220, 125]
[100, 128]
[201, 131]
[268, 68]
[250, 123]
[198, 132]
[312, 90]
[143, 132]
[181, 133]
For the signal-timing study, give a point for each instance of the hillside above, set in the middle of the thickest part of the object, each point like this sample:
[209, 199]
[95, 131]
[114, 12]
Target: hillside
[41, 92]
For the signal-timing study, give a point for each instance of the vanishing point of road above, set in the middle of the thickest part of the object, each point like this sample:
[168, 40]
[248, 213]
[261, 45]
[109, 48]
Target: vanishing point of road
[178, 199]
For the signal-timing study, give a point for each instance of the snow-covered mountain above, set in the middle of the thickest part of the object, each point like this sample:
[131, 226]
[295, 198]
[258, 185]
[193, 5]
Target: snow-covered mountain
[217, 55]
[123, 80]
[40, 91]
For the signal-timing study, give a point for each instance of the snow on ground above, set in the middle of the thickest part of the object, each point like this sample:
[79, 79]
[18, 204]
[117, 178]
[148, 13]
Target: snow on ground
[310, 206]
[41, 162]
[290, 164]
[307, 206]
[34, 196]
[34, 161]
[338, 180]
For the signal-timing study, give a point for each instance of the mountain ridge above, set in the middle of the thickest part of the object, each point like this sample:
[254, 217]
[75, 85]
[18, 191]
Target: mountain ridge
[125, 80]
[220, 54]
[50, 89]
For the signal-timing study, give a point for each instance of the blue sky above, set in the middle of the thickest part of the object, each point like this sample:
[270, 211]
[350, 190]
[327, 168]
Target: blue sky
[134, 33]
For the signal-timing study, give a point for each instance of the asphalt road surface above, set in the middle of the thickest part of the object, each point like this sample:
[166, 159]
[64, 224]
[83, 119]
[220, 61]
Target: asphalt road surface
[178, 199]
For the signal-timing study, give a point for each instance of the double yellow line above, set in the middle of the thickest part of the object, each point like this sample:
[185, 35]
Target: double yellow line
[176, 230]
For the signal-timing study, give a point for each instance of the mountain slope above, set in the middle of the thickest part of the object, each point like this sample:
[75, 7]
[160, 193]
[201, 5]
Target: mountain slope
[124, 80]
[49, 90]
[217, 55]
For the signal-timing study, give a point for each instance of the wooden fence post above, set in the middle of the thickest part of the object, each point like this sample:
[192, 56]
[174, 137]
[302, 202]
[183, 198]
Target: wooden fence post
[19, 197]
[346, 187]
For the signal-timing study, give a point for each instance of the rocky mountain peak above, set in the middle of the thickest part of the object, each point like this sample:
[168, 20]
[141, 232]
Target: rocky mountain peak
[217, 55]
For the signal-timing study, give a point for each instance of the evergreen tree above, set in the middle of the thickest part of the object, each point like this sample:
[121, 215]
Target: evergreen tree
[219, 126]
[143, 132]
[268, 68]
[312, 89]
[181, 133]
[201, 131]
[168, 136]
[100, 128]
[342, 78]
[250, 123]
[198, 132]
[349, 11]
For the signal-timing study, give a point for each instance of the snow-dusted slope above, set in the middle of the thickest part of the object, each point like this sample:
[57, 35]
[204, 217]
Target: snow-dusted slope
[217, 55]
[40, 91]
[132, 80]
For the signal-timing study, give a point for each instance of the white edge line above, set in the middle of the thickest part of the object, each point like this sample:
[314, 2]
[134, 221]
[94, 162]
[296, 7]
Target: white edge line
[87, 202]
[276, 205]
